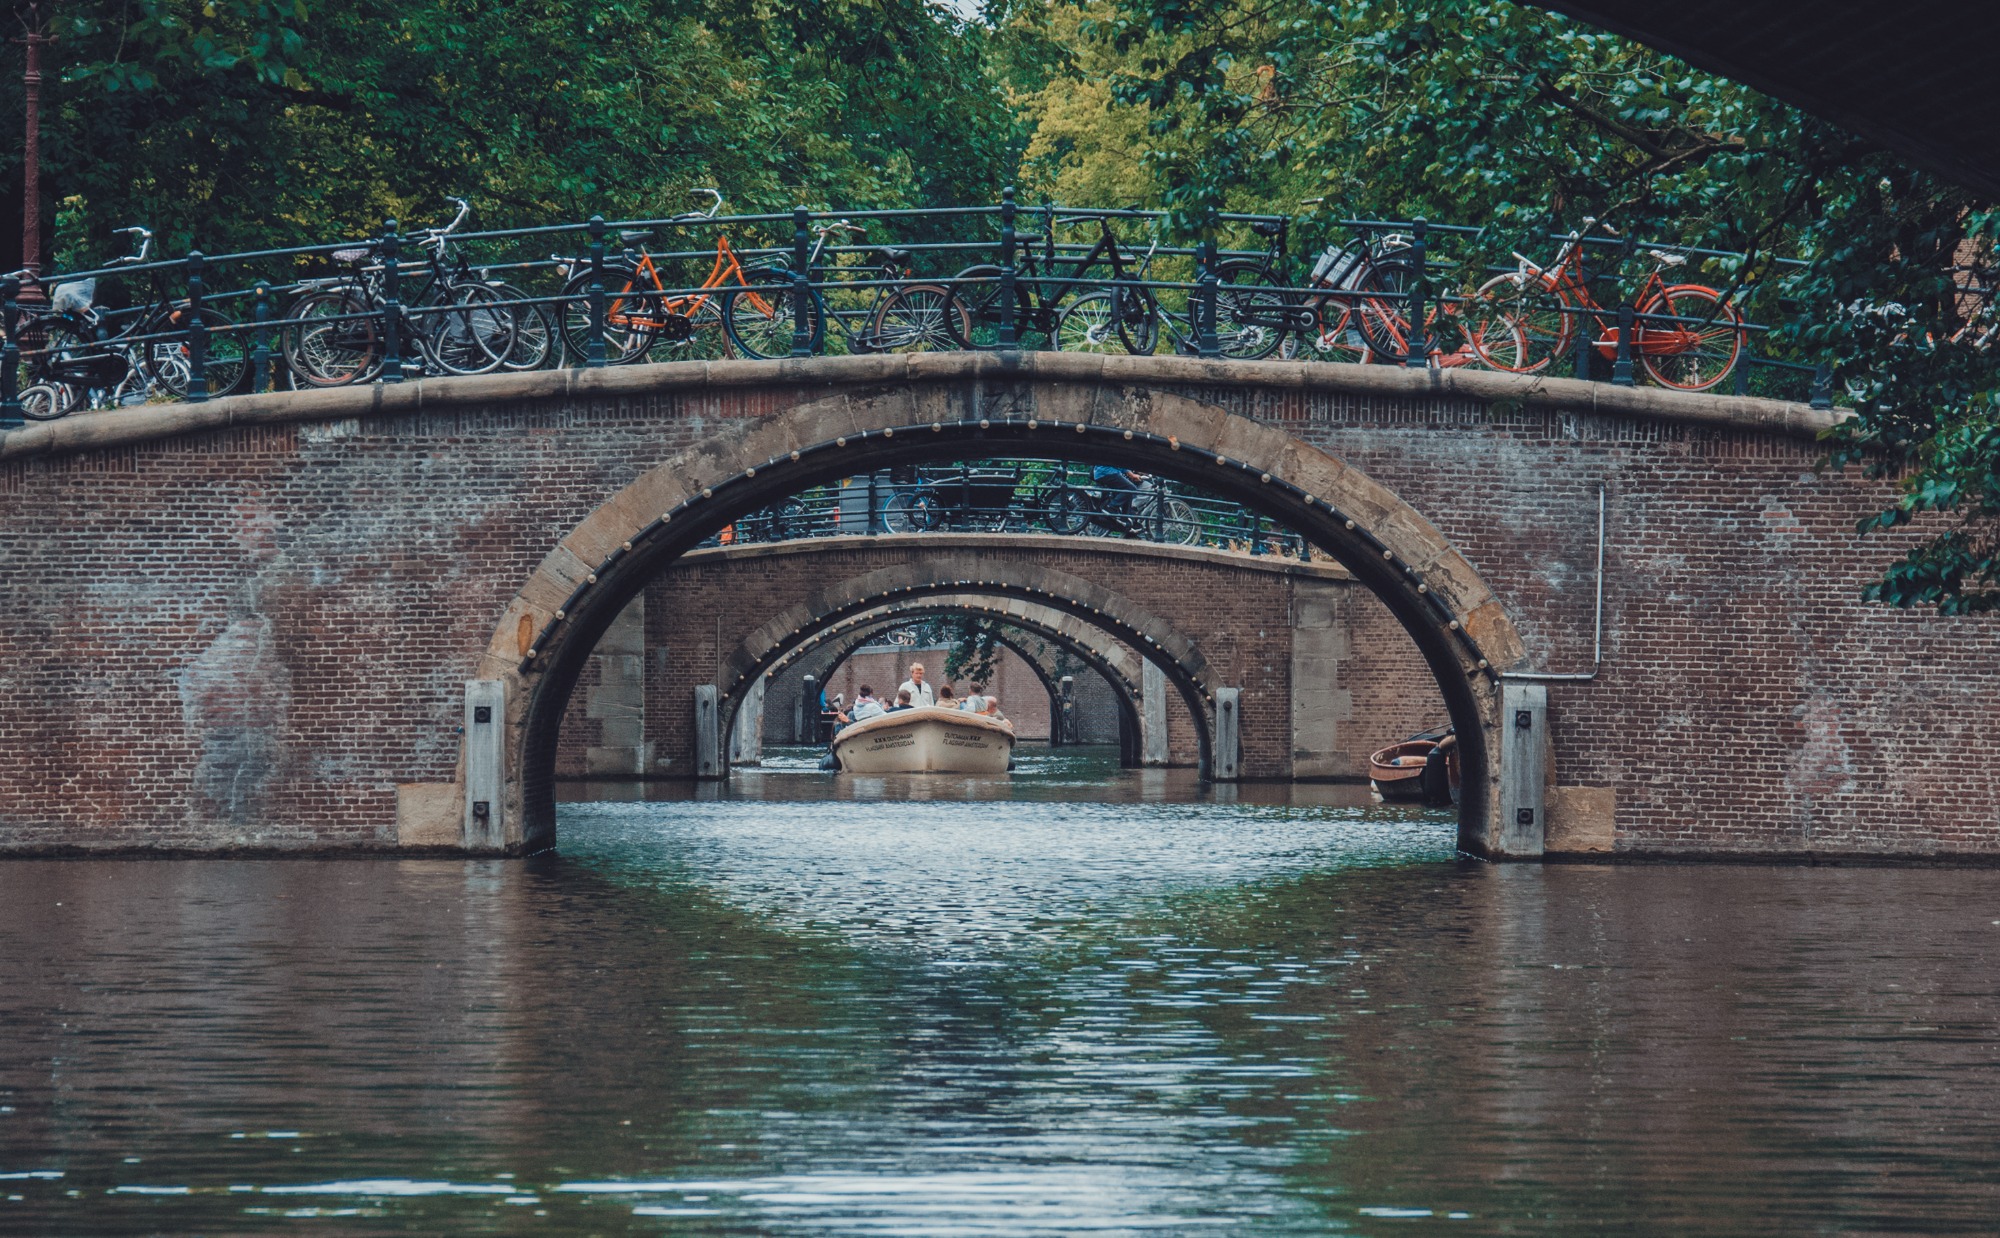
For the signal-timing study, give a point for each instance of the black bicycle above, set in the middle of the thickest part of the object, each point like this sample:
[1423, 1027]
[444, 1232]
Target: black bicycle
[94, 348]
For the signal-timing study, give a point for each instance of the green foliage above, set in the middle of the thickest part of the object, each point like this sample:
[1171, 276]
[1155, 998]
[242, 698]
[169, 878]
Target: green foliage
[975, 649]
[243, 123]
[1504, 115]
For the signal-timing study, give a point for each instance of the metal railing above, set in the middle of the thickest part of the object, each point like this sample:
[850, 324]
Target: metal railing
[398, 305]
[1023, 495]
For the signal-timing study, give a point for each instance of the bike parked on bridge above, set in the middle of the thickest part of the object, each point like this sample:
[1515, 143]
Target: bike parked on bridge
[455, 323]
[1687, 336]
[93, 348]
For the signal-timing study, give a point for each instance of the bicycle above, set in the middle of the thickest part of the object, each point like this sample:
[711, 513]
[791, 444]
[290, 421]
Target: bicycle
[79, 358]
[640, 314]
[1069, 508]
[337, 331]
[1041, 296]
[1686, 336]
[895, 315]
[1364, 316]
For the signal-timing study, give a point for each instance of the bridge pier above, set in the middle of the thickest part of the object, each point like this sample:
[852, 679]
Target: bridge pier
[1153, 716]
[1226, 756]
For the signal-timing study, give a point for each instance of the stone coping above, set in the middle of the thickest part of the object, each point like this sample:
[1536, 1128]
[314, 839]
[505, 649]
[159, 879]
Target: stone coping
[123, 427]
[1039, 543]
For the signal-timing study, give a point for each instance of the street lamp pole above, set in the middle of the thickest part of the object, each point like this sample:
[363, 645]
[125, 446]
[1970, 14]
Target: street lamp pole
[31, 156]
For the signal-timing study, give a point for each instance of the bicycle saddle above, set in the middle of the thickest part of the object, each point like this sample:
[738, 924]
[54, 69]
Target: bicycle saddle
[1266, 229]
[350, 257]
[897, 256]
[629, 235]
[1666, 259]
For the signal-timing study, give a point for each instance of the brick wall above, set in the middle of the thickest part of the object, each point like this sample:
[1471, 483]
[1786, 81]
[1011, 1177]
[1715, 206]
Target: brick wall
[254, 635]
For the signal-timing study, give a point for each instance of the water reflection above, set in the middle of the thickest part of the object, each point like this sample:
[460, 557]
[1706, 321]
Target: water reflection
[1045, 1014]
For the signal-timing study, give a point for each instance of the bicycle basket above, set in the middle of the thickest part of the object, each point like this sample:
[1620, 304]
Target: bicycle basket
[1337, 267]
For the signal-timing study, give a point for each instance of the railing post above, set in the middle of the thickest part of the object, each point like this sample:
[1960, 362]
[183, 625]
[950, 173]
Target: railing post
[260, 339]
[1008, 336]
[1586, 344]
[1822, 386]
[593, 348]
[10, 357]
[1741, 380]
[1419, 342]
[1206, 282]
[875, 502]
[1621, 370]
[392, 309]
[197, 331]
[801, 283]
[1159, 508]
[1257, 533]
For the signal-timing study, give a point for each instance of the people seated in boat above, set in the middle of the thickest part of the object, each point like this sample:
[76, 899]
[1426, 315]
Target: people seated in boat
[945, 699]
[992, 710]
[902, 701]
[920, 692]
[975, 700]
[865, 704]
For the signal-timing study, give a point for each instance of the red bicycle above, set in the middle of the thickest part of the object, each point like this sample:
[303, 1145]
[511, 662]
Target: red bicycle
[1687, 336]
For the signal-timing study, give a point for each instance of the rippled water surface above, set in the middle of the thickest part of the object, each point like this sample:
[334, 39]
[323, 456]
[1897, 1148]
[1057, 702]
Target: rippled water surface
[816, 1005]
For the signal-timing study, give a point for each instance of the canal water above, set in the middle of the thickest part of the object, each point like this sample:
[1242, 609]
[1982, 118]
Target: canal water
[1090, 1002]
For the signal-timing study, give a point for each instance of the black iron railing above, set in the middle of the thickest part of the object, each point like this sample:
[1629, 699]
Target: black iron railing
[442, 301]
[1016, 495]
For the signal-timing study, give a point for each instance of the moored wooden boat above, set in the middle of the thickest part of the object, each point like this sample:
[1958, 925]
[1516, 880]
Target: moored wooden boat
[925, 740]
[1397, 772]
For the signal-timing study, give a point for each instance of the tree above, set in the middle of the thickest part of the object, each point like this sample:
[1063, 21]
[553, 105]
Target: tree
[1497, 113]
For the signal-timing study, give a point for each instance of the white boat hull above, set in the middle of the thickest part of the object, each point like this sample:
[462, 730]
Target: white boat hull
[925, 740]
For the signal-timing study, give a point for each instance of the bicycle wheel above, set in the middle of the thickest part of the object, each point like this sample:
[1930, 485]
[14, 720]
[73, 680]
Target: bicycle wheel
[471, 334]
[1336, 336]
[1249, 322]
[334, 339]
[629, 316]
[1380, 304]
[977, 290]
[760, 323]
[165, 363]
[1547, 331]
[912, 511]
[1089, 324]
[535, 331]
[702, 339]
[1700, 348]
[1498, 343]
[1183, 527]
[1138, 320]
[47, 401]
[919, 318]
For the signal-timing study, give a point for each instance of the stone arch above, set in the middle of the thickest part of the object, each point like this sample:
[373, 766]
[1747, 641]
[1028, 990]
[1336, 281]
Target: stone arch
[1002, 404]
[1022, 588]
[1109, 657]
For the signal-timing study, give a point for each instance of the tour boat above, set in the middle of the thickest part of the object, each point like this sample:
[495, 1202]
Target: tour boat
[1421, 769]
[925, 740]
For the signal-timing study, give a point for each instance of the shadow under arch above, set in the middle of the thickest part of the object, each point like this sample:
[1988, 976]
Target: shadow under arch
[1120, 672]
[546, 633]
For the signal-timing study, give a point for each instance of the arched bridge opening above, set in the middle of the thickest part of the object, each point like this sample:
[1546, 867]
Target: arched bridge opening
[1433, 593]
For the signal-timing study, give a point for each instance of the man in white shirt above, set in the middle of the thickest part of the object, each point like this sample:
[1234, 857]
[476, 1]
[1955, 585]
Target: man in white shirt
[920, 692]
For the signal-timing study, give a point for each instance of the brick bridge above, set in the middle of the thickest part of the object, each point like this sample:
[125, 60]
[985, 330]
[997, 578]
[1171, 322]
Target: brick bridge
[1324, 672]
[262, 622]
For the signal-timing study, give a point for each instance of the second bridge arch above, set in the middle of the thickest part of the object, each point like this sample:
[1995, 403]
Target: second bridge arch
[1326, 672]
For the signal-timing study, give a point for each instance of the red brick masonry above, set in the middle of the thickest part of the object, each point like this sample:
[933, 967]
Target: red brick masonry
[223, 636]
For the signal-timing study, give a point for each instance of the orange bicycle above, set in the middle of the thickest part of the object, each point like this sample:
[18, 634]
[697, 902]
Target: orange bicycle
[1687, 336]
[641, 316]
